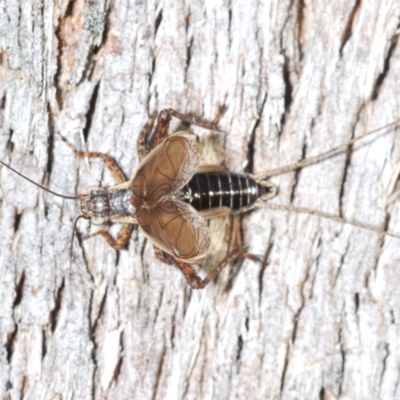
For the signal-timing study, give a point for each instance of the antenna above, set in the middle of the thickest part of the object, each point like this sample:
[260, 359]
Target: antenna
[38, 185]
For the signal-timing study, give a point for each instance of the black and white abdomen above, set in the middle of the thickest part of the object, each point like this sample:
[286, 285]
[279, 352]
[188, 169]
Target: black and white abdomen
[210, 190]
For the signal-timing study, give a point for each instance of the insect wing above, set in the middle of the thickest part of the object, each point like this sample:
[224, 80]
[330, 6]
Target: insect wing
[176, 228]
[168, 167]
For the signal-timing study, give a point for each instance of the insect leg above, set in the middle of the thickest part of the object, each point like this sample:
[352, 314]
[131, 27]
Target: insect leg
[163, 256]
[122, 238]
[112, 166]
[196, 282]
[164, 118]
[211, 126]
[221, 113]
[191, 275]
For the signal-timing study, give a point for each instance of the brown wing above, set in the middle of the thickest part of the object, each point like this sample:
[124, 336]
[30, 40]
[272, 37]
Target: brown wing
[176, 228]
[168, 167]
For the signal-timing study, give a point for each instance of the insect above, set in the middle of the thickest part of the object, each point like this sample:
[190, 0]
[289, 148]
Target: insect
[171, 196]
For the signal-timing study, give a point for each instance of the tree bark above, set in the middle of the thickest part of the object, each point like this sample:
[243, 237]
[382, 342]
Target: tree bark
[318, 317]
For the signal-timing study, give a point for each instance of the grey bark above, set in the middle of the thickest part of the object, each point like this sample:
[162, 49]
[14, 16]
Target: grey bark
[319, 317]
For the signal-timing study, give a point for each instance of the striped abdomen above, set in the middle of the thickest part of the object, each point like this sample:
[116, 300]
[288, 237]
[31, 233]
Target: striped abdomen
[222, 189]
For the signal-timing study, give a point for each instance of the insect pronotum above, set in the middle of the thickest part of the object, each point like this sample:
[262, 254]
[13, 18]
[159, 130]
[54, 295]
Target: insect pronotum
[171, 196]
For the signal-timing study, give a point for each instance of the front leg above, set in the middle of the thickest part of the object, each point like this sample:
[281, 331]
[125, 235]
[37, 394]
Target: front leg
[108, 161]
[122, 238]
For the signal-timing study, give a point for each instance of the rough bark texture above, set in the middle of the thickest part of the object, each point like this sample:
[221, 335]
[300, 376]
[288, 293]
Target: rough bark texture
[319, 318]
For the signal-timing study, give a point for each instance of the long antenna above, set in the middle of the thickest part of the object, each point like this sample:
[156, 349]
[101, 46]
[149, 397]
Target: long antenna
[38, 185]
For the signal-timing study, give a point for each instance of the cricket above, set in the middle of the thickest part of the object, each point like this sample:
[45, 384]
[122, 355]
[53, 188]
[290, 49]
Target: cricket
[171, 196]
